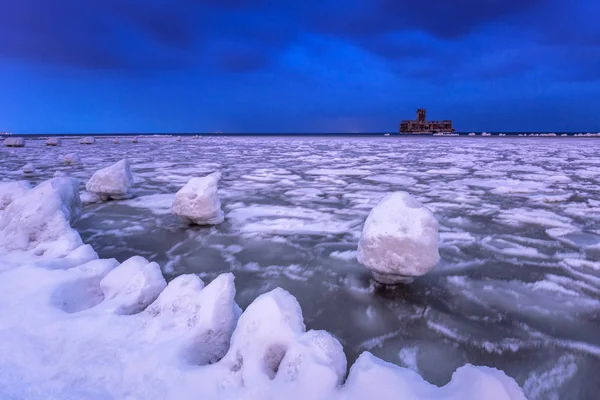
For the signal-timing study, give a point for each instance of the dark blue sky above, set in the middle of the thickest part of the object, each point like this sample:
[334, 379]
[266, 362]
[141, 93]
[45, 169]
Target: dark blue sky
[297, 66]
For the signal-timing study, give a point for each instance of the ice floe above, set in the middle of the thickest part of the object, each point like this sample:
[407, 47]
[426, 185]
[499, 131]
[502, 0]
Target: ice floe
[14, 142]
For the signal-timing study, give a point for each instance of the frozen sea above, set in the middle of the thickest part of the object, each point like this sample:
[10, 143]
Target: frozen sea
[518, 285]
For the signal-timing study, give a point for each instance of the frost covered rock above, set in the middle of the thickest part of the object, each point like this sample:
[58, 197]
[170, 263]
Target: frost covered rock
[201, 318]
[112, 182]
[12, 190]
[71, 158]
[28, 169]
[88, 140]
[14, 142]
[133, 285]
[399, 239]
[53, 141]
[40, 220]
[197, 201]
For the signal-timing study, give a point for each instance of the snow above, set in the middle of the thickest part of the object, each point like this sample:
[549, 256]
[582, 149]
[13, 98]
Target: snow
[344, 255]
[132, 286]
[12, 190]
[71, 158]
[14, 142]
[399, 239]
[53, 141]
[371, 377]
[198, 203]
[40, 220]
[159, 204]
[113, 182]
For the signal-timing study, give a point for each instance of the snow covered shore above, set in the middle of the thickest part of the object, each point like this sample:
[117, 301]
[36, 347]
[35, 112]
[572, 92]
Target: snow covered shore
[74, 326]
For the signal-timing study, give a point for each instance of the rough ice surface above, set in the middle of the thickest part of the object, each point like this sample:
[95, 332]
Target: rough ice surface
[517, 287]
[198, 203]
[399, 239]
[14, 142]
[113, 182]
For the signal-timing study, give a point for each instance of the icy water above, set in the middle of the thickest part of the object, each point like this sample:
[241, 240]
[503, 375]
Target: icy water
[518, 286]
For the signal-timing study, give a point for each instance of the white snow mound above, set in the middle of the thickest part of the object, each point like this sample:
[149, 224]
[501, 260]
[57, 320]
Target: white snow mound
[112, 182]
[40, 220]
[197, 202]
[12, 190]
[399, 240]
[132, 286]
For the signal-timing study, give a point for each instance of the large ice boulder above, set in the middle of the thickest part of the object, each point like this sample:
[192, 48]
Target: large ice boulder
[14, 142]
[132, 286]
[40, 220]
[87, 140]
[134, 140]
[112, 182]
[12, 190]
[399, 240]
[71, 158]
[197, 202]
[53, 141]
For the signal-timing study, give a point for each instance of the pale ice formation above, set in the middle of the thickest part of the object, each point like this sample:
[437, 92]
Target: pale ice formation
[198, 203]
[71, 158]
[14, 142]
[39, 221]
[399, 240]
[134, 140]
[28, 169]
[113, 182]
[87, 140]
[12, 190]
[116, 140]
[53, 141]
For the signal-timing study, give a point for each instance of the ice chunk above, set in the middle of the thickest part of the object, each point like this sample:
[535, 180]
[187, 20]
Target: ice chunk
[197, 202]
[53, 141]
[87, 140]
[116, 140]
[28, 169]
[312, 368]
[12, 190]
[132, 286]
[205, 317]
[40, 219]
[112, 182]
[14, 142]
[399, 240]
[264, 333]
[71, 158]
[134, 140]
[371, 377]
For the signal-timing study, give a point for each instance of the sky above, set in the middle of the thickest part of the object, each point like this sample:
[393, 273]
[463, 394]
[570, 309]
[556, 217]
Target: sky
[283, 66]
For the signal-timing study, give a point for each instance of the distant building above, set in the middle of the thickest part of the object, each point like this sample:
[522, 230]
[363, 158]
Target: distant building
[421, 125]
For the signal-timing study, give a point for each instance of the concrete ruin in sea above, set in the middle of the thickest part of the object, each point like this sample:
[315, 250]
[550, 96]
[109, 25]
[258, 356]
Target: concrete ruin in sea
[422, 126]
